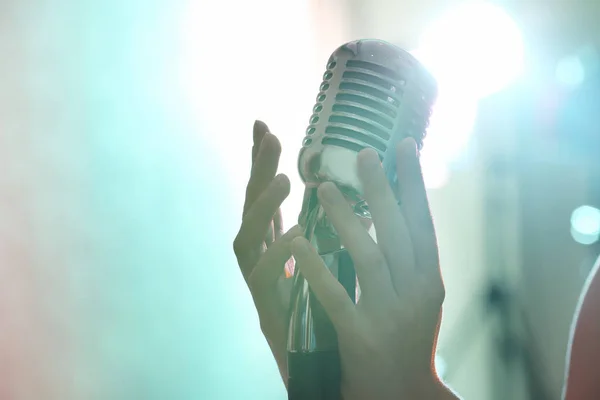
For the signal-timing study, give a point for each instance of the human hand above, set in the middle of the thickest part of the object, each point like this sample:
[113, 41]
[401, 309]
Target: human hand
[261, 247]
[387, 340]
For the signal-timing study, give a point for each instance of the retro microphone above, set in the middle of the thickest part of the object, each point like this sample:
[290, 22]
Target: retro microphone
[373, 95]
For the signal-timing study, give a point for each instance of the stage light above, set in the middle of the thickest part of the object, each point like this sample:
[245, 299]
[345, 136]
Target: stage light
[585, 225]
[476, 48]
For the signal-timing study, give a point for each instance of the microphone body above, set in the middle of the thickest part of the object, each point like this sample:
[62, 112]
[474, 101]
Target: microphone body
[373, 95]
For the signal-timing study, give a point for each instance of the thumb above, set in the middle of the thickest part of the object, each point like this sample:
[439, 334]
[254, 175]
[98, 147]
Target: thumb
[330, 293]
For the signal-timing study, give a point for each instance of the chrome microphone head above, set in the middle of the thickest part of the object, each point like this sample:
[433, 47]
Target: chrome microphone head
[373, 94]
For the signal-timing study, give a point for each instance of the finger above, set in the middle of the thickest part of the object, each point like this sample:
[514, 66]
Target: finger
[392, 232]
[271, 265]
[370, 264]
[285, 285]
[258, 132]
[276, 229]
[263, 170]
[278, 224]
[415, 207]
[270, 236]
[330, 293]
[256, 222]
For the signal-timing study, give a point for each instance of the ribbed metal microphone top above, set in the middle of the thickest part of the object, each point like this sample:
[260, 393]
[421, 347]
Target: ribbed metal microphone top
[373, 95]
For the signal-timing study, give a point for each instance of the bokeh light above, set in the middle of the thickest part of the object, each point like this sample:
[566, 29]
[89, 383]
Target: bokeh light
[585, 224]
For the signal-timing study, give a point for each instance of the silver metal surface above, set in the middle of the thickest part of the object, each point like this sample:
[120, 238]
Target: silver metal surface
[310, 330]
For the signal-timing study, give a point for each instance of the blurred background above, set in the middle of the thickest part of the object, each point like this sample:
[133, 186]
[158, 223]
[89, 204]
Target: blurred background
[125, 135]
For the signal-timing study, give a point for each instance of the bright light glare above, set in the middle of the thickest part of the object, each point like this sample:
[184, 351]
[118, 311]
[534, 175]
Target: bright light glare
[474, 51]
[449, 131]
[235, 72]
[585, 224]
[475, 48]
[435, 174]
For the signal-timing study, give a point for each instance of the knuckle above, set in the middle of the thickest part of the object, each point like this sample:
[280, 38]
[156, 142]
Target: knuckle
[431, 288]
[441, 295]
[239, 245]
[266, 325]
[375, 258]
[252, 284]
[437, 294]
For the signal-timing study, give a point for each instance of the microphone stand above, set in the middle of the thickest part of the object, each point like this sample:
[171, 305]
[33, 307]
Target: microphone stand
[314, 371]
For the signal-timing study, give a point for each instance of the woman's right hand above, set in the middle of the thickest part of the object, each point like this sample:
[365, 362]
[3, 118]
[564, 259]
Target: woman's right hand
[261, 247]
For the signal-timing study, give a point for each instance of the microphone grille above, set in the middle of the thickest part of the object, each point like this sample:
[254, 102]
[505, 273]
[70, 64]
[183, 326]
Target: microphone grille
[373, 94]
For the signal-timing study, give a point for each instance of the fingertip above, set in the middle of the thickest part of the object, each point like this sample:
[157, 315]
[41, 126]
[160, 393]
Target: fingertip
[283, 182]
[300, 246]
[368, 160]
[289, 236]
[408, 147]
[259, 130]
[368, 154]
[270, 143]
[258, 124]
[295, 231]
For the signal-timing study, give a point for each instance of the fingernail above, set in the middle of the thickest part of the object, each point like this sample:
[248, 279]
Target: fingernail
[409, 147]
[259, 129]
[300, 245]
[260, 126]
[280, 180]
[370, 159]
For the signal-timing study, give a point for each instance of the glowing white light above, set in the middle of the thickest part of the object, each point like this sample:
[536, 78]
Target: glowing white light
[450, 129]
[474, 51]
[585, 225]
[236, 72]
[436, 178]
[475, 48]
[570, 71]
[435, 170]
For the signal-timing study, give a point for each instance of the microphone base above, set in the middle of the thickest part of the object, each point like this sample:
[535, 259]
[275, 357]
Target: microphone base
[314, 375]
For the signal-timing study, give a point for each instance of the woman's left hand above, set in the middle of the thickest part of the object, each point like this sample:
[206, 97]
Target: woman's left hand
[387, 340]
